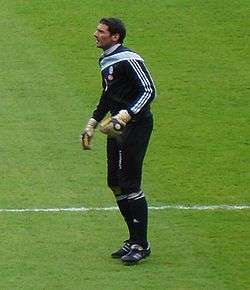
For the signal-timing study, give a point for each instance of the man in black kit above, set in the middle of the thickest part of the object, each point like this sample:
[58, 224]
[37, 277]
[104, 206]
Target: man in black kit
[128, 90]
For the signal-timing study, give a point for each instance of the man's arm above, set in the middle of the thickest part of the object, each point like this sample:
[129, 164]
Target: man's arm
[98, 114]
[102, 108]
[141, 79]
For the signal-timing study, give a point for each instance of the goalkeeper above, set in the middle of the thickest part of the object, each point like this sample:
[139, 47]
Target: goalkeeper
[128, 90]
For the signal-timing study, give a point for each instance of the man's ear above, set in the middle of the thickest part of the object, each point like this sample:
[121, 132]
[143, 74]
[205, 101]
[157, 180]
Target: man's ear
[116, 37]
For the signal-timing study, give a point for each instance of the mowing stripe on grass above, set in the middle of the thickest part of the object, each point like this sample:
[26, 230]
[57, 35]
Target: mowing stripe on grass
[113, 208]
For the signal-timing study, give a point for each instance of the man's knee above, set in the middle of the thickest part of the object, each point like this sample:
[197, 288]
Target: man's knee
[119, 196]
[115, 189]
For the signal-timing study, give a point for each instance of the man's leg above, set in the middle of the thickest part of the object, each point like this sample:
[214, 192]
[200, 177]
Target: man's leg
[139, 208]
[114, 163]
[135, 199]
[133, 149]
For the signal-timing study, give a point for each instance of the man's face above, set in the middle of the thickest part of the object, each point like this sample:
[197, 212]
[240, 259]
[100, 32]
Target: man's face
[103, 37]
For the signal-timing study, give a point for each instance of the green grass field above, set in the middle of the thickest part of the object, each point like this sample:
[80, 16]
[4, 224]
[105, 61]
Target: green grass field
[198, 53]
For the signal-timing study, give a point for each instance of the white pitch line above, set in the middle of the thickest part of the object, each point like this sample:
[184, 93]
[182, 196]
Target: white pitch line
[113, 208]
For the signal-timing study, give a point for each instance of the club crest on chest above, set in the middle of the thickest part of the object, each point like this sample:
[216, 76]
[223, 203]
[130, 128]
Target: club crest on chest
[110, 75]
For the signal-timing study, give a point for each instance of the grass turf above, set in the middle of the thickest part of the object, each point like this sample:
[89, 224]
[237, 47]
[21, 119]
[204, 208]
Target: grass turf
[49, 84]
[191, 250]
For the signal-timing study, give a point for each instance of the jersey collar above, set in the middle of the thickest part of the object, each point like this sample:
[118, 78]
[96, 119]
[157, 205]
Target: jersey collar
[111, 49]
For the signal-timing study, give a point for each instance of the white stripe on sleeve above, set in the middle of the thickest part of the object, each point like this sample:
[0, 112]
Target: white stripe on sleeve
[146, 84]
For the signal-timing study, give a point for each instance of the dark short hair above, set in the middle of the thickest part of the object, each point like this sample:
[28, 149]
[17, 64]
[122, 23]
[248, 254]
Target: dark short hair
[115, 25]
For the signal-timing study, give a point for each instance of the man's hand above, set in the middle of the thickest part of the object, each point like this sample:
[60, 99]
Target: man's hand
[88, 133]
[113, 126]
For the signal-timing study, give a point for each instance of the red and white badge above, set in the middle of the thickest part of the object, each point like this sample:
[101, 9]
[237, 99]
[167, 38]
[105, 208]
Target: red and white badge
[110, 76]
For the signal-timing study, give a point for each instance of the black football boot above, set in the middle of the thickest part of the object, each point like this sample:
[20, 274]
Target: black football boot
[136, 254]
[125, 249]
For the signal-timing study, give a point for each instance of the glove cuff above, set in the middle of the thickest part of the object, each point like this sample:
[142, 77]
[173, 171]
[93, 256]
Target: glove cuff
[92, 123]
[124, 116]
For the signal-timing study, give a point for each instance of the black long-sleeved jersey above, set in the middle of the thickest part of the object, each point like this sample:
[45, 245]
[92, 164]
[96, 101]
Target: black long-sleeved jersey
[127, 84]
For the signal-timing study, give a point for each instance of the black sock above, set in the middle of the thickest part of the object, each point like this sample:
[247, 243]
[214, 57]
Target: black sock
[139, 209]
[126, 213]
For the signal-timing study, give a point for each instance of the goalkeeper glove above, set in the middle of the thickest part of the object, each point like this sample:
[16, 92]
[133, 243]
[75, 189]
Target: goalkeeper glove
[113, 126]
[88, 133]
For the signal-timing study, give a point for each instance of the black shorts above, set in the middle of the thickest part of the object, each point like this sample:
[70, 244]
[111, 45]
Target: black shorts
[125, 155]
